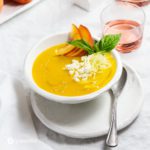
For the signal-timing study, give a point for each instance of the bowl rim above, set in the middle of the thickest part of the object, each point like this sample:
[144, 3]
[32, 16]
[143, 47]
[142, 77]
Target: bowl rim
[68, 99]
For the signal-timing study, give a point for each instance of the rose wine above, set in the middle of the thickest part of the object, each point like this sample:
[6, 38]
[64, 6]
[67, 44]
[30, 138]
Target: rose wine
[137, 2]
[131, 34]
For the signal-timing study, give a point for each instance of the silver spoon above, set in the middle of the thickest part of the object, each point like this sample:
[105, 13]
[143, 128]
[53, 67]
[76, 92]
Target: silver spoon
[112, 138]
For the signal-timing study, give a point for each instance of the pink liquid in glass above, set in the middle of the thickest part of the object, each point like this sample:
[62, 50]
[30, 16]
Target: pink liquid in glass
[137, 2]
[131, 34]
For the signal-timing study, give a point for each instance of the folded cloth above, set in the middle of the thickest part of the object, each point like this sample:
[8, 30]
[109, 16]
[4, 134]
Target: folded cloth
[88, 4]
[17, 131]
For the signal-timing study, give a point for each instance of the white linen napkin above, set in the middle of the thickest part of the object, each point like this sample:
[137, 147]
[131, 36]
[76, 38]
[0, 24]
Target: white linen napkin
[17, 131]
[88, 5]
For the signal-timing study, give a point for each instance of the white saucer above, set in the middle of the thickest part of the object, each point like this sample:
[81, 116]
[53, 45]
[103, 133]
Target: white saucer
[91, 119]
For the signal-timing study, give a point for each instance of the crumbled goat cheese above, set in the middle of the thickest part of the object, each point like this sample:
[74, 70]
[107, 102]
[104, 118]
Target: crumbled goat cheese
[87, 67]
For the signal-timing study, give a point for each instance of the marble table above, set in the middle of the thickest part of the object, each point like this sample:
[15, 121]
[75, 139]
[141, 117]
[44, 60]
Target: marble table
[17, 37]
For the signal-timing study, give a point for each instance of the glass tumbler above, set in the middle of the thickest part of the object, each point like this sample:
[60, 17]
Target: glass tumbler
[126, 19]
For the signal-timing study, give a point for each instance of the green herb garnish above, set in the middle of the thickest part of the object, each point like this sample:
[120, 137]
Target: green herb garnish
[106, 44]
[83, 45]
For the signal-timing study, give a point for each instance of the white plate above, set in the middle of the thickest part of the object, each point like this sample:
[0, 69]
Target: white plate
[91, 119]
[10, 10]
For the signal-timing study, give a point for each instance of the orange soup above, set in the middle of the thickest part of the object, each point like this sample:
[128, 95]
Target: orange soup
[50, 74]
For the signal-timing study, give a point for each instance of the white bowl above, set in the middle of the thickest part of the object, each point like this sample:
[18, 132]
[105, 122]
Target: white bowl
[51, 41]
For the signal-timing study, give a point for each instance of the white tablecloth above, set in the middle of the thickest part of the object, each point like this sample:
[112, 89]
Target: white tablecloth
[21, 33]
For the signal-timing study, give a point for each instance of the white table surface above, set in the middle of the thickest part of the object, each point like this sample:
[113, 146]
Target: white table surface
[17, 37]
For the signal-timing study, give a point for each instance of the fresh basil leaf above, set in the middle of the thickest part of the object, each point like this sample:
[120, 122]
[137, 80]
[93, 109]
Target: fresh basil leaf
[106, 44]
[109, 42]
[83, 45]
[96, 47]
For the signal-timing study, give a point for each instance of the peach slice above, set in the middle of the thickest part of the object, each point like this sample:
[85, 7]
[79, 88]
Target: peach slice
[1, 4]
[86, 35]
[78, 52]
[72, 52]
[75, 34]
[22, 1]
[83, 53]
[64, 50]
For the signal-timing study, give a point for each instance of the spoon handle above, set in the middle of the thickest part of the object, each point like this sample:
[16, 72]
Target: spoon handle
[112, 138]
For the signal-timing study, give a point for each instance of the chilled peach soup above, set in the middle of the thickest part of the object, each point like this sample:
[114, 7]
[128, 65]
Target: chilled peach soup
[50, 74]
